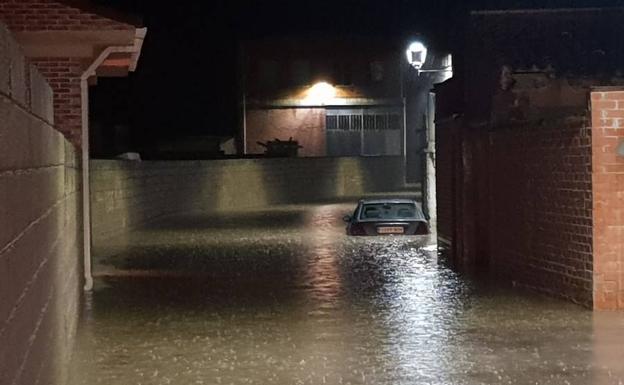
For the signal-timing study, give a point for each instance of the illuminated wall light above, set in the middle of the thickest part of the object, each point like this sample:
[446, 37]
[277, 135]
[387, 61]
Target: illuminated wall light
[321, 93]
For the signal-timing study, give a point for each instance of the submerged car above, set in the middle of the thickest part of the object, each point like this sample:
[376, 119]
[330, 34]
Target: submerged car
[387, 217]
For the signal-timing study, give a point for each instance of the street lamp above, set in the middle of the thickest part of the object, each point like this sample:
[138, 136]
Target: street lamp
[416, 55]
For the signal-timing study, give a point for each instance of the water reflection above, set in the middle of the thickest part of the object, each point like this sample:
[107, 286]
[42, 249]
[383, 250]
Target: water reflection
[298, 302]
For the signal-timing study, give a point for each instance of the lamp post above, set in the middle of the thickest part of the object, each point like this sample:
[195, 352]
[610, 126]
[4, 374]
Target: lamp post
[417, 54]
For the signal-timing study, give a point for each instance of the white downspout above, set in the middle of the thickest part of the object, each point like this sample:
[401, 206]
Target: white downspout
[86, 204]
[430, 166]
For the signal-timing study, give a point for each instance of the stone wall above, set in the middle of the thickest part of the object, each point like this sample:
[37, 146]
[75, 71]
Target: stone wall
[608, 195]
[125, 195]
[40, 240]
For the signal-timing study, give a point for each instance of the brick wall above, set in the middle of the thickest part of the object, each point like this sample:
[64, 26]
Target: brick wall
[517, 199]
[126, 194]
[540, 206]
[71, 24]
[608, 190]
[515, 192]
[40, 241]
[63, 75]
[305, 125]
[536, 192]
[49, 15]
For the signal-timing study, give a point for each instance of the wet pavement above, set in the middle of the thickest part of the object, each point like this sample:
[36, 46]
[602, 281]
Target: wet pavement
[284, 297]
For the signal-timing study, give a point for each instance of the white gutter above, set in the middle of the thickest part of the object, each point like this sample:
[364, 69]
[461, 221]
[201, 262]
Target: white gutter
[139, 36]
[86, 193]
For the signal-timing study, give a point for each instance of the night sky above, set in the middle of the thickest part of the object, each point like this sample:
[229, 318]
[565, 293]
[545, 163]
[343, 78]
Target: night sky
[186, 80]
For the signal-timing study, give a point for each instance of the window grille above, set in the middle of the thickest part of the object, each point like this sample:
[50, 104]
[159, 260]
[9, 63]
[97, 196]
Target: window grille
[332, 122]
[351, 122]
[356, 122]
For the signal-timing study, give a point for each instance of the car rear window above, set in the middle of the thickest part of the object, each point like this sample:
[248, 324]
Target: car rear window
[390, 211]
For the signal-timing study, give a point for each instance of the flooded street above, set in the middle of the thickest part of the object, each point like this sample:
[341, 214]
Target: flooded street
[284, 297]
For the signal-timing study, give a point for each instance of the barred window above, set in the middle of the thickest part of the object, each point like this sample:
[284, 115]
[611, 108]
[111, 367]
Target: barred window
[369, 122]
[352, 122]
[331, 122]
[356, 122]
[381, 122]
[344, 123]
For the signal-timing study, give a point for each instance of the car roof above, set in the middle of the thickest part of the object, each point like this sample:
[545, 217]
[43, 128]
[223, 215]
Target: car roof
[387, 200]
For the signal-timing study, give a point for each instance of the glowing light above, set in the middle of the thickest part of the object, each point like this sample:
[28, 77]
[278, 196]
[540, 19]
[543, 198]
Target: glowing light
[416, 54]
[321, 93]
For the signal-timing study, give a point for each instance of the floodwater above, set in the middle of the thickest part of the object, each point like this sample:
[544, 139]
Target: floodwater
[284, 297]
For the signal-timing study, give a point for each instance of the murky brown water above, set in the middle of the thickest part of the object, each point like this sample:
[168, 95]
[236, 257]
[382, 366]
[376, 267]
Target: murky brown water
[286, 298]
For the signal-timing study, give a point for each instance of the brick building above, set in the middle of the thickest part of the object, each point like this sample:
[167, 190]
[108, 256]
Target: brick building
[336, 97]
[528, 176]
[50, 51]
[69, 41]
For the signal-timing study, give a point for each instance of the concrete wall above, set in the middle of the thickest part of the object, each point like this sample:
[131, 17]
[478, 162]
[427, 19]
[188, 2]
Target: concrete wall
[608, 195]
[40, 240]
[124, 195]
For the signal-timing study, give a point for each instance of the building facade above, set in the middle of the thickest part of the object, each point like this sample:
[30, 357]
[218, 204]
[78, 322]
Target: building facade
[335, 97]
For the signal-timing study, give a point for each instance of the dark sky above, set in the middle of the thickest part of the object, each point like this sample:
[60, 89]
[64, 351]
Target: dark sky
[186, 80]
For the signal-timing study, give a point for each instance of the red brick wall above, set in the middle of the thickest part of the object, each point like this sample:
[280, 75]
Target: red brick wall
[63, 75]
[608, 206]
[517, 198]
[540, 214]
[305, 125]
[48, 15]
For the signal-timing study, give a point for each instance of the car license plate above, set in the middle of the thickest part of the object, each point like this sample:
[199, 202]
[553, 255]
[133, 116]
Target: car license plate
[390, 230]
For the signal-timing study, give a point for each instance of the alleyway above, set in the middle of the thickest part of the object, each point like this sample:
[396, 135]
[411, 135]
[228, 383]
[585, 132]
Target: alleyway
[284, 297]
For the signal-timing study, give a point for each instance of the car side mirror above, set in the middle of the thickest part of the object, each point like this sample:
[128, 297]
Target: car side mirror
[347, 218]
